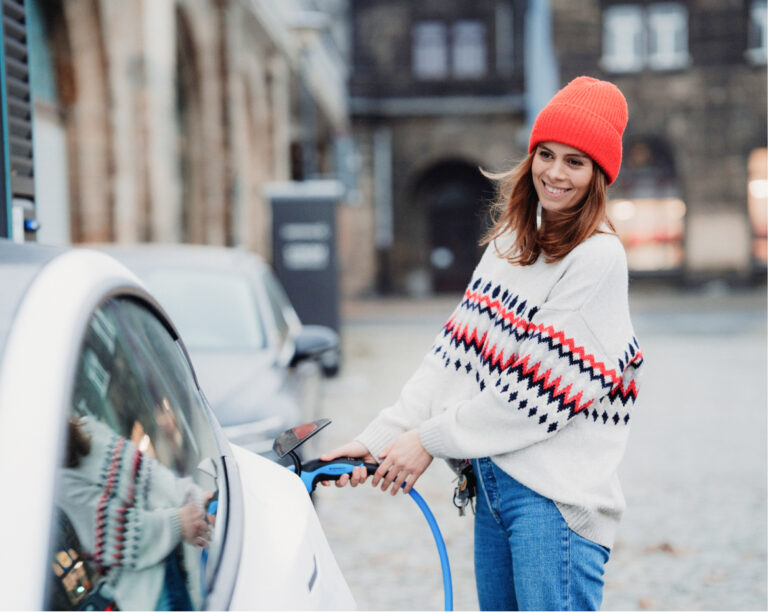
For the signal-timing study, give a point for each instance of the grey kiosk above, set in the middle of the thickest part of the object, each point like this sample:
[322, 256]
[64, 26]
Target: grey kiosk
[304, 246]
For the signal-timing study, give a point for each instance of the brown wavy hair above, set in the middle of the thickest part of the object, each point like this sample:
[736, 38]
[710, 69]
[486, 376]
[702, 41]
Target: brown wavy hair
[514, 210]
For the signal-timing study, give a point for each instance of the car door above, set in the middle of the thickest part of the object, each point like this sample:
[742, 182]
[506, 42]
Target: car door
[142, 452]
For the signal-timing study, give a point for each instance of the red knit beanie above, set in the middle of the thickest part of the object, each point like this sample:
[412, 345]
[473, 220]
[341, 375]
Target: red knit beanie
[588, 115]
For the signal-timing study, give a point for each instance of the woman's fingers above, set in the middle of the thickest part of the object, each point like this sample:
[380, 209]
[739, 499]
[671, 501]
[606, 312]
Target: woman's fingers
[359, 476]
[398, 482]
[402, 463]
[382, 471]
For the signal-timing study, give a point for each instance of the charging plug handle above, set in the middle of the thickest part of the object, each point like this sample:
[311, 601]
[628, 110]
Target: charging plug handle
[316, 470]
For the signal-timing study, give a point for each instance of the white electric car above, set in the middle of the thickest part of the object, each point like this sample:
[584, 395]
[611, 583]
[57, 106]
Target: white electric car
[82, 342]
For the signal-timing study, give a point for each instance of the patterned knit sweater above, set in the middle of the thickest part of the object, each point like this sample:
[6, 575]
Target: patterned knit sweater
[123, 505]
[537, 368]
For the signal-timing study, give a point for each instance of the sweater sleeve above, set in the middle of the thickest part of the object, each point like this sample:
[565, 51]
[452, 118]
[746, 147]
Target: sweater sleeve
[566, 358]
[413, 406]
[415, 403]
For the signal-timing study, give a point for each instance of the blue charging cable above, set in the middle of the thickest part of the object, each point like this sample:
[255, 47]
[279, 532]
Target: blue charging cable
[444, 564]
[316, 470]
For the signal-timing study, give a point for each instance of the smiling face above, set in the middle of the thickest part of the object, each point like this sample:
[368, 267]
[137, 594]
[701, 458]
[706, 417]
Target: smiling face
[561, 175]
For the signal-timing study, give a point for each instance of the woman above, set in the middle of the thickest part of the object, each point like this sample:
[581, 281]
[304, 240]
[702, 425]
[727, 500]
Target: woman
[534, 374]
[131, 514]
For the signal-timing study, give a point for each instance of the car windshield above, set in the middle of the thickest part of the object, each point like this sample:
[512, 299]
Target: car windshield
[213, 310]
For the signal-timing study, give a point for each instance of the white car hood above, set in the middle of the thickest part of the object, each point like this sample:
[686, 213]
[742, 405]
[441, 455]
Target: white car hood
[299, 572]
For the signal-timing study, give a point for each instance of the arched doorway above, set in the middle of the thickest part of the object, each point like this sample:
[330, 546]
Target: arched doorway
[454, 197]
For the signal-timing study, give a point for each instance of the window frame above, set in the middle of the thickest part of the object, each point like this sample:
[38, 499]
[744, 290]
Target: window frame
[660, 19]
[650, 51]
[757, 55]
[469, 35]
[430, 59]
[613, 16]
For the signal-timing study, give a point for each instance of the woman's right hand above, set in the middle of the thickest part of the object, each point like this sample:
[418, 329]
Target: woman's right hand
[352, 449]
[194, 528]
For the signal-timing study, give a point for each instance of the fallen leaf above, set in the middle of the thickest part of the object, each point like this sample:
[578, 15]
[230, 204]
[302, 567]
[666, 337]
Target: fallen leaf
[665, 547]
[645, 604]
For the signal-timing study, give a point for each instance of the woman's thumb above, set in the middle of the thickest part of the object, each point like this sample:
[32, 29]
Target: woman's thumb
[336, 452]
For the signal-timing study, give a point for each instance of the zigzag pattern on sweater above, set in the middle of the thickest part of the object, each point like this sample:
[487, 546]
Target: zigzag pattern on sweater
[116, 509]
[493, 311]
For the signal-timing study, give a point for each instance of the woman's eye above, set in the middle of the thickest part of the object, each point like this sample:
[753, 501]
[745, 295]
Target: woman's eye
[577, 162]
[545, 154]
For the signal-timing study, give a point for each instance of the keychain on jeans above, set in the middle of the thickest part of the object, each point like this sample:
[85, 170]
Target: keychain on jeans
[466, 488]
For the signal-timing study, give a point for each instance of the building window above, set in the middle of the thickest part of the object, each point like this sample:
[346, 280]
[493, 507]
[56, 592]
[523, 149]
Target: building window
[667, 36]
[654, 37]
[430, 50]
[623, 38]
[757, 190]
[468, 51]
[756, 46]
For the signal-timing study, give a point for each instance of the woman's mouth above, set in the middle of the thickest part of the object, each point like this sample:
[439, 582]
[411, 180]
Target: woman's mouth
[554, 190]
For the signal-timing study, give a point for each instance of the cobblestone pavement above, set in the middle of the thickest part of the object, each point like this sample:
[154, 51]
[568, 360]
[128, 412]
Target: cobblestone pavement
[694, 534]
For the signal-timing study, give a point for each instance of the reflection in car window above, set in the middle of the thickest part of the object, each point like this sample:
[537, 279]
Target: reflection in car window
[138, 475]
[212, 310]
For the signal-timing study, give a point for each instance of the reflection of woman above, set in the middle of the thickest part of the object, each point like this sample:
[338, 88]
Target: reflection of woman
[534, 374]
[131, 513]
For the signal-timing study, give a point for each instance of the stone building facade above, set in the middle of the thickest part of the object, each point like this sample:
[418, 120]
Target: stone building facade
[164, 120]
[437, 92]
[691, 197]
[439, 89]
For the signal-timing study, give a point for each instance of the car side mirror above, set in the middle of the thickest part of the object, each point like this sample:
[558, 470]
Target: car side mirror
[313, 342]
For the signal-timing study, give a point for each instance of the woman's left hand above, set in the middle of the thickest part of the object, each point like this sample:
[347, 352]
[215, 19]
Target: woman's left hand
[403, 461]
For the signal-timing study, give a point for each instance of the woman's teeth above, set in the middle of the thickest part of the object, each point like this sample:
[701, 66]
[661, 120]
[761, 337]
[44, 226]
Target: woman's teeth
[553, 190]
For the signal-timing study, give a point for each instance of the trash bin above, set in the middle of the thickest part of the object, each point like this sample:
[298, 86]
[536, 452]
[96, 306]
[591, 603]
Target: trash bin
[304, 247]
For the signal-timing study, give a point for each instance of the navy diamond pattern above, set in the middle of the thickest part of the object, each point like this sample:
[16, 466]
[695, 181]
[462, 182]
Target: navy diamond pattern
[481, 336]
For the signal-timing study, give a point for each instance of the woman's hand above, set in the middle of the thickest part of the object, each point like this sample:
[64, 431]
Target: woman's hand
[352, 449]
[403, 461]
[194, 528]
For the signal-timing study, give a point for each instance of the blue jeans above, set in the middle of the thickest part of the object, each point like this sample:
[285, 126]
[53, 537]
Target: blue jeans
[526, 556]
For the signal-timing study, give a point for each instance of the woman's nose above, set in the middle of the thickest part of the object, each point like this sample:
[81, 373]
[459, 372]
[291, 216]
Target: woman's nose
[557, 170]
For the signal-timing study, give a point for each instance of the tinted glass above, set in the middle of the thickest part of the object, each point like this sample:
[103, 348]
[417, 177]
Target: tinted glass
[139, 475]
[212, 310]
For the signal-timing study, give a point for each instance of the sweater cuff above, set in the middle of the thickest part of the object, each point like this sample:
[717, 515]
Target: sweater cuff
[173, 517]
[376, 437]
[432, 438]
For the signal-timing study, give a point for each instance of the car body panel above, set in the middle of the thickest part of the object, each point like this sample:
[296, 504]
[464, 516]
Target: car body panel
[300, 552]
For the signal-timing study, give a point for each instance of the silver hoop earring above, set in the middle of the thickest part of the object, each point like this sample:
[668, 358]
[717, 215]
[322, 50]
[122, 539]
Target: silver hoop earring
[538, 216]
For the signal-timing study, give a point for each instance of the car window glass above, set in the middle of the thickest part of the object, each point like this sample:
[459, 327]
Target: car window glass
[285, 316]
[212, 310]
[141, 465]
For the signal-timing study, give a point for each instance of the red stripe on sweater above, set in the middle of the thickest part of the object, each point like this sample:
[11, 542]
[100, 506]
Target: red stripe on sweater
[98, 548]
[549, 331]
